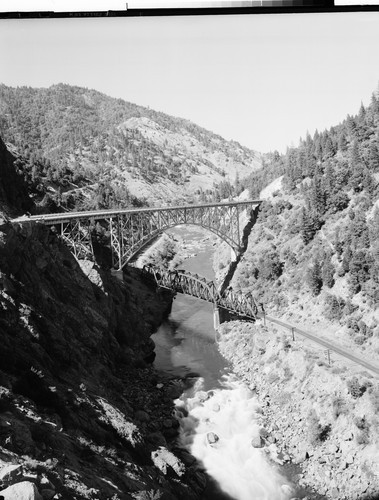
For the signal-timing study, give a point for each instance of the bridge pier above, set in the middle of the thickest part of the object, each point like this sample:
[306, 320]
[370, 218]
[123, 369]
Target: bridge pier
[118, 273]
[216, 317]
[220, 315]
[233, 255]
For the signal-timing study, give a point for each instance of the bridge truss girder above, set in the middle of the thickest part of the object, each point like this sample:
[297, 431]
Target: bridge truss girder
[234, 301]
[77, 234]
[130, 230]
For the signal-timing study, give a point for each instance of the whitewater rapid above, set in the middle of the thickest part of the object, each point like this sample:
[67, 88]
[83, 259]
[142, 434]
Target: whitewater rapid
[218, 427]
[216, 403]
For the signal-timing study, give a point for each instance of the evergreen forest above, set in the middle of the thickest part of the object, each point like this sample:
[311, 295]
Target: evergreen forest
[314, 256]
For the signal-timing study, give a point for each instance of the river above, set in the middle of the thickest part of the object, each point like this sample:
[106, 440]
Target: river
[220, 417]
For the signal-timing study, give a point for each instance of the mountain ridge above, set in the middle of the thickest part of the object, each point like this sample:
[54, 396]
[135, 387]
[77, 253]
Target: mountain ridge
[83, 138]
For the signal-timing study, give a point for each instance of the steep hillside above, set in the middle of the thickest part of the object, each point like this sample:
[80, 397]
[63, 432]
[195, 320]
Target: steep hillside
[92, 151]
[320, 417]
[82, 413]
[313, 254]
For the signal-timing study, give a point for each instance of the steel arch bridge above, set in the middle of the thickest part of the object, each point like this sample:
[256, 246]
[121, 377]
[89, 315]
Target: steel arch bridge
[129, 231]
[180, 281]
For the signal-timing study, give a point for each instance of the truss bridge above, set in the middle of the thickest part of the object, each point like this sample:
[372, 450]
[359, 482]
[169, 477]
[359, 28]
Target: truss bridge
[127, 232]
[179, 281]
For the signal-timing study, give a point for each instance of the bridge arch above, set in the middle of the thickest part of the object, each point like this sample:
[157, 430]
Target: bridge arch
[132, 229]
[130, 232]
[149, 238]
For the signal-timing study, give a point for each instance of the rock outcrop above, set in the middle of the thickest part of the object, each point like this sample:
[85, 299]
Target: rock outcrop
[82, 414]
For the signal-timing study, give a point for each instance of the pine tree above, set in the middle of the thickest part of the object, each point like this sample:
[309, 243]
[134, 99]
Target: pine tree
[375, 104]
[301, 167]
[373, 157]
[374, 228]
[342, 142]
[356, 167]
[361, 115]
[359, 232]
[318, 149]
[346, 259]
[317, 196]
[368, 182]
[338, 244]
[327, 185]
[351, 127]
[328, 272]
[309, 159]
[328, 148]
[359, 270]
[314, 277]
[310, 223]
[363, 121]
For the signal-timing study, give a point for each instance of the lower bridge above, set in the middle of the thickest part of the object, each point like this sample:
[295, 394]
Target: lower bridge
[234, 302]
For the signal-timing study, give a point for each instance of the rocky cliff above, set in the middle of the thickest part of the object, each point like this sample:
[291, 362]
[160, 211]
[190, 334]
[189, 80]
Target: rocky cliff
[82, 413]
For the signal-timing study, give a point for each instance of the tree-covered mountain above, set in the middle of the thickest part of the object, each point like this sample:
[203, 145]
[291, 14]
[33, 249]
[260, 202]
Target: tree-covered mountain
[314, 254]
[83, 149]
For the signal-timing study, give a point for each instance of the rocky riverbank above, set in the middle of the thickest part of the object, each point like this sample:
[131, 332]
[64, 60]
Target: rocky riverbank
[317, 416]
[82, 413]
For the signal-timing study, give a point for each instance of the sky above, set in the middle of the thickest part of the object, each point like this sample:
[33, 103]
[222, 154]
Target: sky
[262, 80]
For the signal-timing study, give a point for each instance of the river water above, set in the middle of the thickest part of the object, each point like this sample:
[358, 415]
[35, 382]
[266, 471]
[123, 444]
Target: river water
[219, 415]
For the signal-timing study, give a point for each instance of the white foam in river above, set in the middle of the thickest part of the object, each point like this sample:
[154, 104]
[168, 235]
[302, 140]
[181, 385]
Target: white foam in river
[232, 413]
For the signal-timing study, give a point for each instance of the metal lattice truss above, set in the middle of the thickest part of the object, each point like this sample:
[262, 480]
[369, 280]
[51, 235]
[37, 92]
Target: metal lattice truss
[77, 235]
[130, 230]
[191, 284]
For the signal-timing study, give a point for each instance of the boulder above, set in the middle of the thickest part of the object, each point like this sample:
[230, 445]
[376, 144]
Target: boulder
[201, 479]
[301, 456]
[256, 442]
[263, 432]
[142, 416]
[165, 460]
[185, 457]
[47, 494]
[157, 439]
[212, 438]
[21, 491]
[10, 474]
[332, 448]
[167, 423]
[202, 396]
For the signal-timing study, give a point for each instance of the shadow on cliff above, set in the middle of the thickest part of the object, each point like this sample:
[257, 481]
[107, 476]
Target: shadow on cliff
[14, 196]
[245, 240]
[74, 344]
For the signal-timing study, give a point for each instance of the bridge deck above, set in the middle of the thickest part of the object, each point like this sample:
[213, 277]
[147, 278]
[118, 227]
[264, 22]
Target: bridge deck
[128, 231]
[50, 219]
